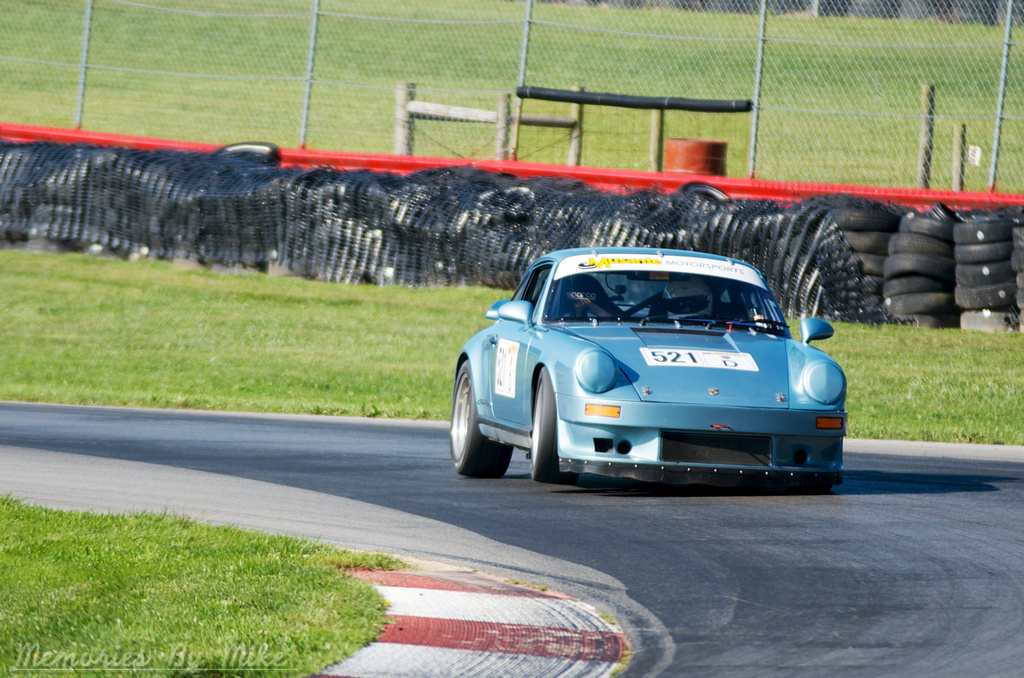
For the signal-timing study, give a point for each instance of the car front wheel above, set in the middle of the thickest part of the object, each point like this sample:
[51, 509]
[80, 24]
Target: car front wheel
[544, 445]
[472, 453]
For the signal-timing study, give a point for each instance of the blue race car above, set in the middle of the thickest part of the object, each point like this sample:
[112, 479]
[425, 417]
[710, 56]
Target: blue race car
[658, 365]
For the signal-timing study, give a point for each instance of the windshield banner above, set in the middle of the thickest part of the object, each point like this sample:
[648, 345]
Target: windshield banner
[590, 263]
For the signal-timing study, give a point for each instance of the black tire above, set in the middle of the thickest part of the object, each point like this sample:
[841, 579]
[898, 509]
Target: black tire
[261, 152]
[943, 212]
[990, 296]
[925, 303]
[871, 264]
[1017, 260]
[473, 454]
[915, 243]
[933, 322]
[1018, 237]
[914, 284]
[872, 284]
[868, 242]
[865, 219]
[544, 448]
[925, 224]
[980, 275]
[996, 320]
[983, 252]
[706, 190]
[1020, 280]
[940, 268]
[983, 230]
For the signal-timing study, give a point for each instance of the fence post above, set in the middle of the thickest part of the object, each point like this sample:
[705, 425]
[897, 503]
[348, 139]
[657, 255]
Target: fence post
[501, 134]
[404, 93]
[80, 102]
[309, 74]
[926, 138]
[959, 149]
[524, 50]
[993, 168]
[756, 99]
[656, 153]
[576, 132]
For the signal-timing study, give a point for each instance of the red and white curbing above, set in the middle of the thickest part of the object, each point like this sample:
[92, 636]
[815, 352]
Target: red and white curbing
[465, 624]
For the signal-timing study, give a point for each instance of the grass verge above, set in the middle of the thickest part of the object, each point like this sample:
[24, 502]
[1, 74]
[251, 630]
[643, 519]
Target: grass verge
[88, 331]
[146, 594]
[79, 330]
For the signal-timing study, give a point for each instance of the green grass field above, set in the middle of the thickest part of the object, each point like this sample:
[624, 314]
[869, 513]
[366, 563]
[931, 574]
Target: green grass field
[81, 330]
[841, 96]
[144, 594]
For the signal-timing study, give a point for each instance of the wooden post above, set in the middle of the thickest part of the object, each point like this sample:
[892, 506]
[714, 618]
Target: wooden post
[515, 128]
[404, 93]
[926, 138]
[959, 154]
[515, 131]
[501, 134]
[656, 154]
[576, 133]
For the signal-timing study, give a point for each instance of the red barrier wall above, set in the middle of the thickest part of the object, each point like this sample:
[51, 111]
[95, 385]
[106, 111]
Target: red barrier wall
[607, 179]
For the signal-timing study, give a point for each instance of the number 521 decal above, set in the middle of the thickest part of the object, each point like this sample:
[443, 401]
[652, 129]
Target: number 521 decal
[671, 357]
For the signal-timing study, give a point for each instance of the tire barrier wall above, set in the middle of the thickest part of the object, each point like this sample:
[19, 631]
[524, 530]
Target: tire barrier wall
[433, 227]
[940, 268]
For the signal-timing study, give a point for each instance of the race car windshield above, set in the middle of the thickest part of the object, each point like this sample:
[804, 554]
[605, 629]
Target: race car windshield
[659, 296]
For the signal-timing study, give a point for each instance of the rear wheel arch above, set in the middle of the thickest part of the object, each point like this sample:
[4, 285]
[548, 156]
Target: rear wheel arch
[472, 453]
[463, 357]
[462, 360]
[477, 370]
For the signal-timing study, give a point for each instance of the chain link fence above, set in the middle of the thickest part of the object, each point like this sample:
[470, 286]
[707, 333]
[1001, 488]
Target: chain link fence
[898, 93]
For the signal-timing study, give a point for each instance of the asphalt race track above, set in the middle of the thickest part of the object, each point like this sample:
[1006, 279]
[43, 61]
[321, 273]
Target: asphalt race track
[914, 566]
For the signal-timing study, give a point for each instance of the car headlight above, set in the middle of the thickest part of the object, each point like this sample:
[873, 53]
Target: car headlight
[596, 371]
[824, 382]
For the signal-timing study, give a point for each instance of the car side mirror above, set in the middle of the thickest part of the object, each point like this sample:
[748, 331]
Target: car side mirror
[812, 329]
[492, 312]
[517, 311]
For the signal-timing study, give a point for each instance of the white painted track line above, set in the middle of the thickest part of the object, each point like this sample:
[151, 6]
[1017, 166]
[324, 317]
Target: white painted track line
[387, 660]
[485, 607]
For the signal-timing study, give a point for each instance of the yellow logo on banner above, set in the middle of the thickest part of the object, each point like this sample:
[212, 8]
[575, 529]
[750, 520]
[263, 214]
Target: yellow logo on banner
[608, 262]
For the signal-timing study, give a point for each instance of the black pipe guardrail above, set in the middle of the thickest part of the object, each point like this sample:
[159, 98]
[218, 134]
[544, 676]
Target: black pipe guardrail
[627, 101]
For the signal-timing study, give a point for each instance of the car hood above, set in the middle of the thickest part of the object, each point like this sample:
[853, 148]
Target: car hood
[697, 365]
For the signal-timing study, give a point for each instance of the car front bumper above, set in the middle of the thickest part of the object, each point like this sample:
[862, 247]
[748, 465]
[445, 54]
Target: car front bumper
[699, 444]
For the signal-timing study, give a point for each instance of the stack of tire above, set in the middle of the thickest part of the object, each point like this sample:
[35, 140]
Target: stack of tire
[920, 271]
[986, 285]
[1017, 261]
[867, 231]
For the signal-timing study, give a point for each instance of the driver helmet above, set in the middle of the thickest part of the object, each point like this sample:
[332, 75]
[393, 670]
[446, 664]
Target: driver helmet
[689, 295]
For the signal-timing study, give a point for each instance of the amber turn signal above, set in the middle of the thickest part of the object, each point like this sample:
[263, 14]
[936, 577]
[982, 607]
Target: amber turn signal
[601, 410]
[835, 423]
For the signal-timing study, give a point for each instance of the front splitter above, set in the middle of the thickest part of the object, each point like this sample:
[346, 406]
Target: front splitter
[719, 476]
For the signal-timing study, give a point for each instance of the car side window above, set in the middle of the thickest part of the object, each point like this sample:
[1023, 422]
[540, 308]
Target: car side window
[530, 291]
